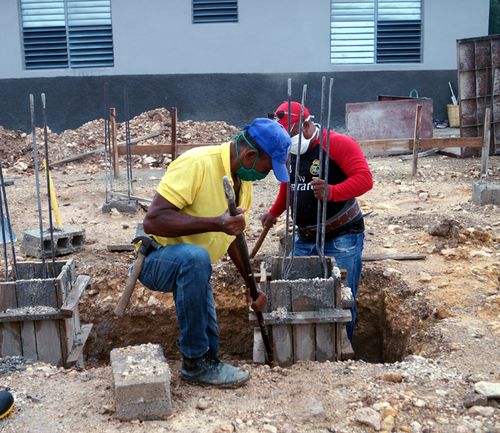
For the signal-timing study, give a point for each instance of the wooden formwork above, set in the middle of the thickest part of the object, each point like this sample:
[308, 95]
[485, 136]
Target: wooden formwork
[39, 316]
[305, 313]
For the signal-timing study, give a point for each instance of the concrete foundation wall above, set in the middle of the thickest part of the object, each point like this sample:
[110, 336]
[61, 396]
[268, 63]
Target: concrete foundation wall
[234, 98]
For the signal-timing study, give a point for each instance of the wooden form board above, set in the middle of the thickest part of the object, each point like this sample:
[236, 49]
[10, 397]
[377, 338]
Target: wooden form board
[159, 149]
[304, 320]
[405, 145]
[49, 332]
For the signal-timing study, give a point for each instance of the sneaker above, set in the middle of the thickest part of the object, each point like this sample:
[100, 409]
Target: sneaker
[209, 371]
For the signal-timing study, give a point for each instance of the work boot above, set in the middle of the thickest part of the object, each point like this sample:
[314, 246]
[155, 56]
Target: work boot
[210, 371]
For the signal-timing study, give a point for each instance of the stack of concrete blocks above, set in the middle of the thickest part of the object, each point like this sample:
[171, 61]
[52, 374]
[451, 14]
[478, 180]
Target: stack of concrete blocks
[142, 383]
[66, 241]
[306, 313]
[39, 315]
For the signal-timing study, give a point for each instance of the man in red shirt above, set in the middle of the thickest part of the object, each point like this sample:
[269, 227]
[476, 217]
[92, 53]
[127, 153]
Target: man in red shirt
[348, 177]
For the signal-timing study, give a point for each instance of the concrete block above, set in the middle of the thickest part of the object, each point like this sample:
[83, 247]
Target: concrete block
[302, 267]
[142, 382]
[123, 206]
[66, 241]
[484, 192]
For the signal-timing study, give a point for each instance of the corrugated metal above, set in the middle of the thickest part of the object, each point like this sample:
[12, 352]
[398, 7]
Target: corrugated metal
[221, 11]
[75, 33]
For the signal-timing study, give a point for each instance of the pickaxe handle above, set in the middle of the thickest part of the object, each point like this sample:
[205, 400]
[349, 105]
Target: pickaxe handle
[242, 246]
[129, 287]
[258, 244]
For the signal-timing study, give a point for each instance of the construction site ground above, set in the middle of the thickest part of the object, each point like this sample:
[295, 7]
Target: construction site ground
[428, 330]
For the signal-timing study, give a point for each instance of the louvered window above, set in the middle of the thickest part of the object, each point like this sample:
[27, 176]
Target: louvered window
[67, 33]
[375, 31]
[211, 11]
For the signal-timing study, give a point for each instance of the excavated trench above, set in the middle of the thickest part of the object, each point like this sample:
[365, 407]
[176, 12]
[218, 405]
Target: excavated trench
[392, 320]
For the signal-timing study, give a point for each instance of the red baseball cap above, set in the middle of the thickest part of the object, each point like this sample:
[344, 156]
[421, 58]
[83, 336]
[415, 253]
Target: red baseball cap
[281, 113]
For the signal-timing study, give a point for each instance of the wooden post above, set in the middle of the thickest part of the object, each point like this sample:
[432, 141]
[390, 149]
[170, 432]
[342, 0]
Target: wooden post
[416, 139]
[114, 144]
[485, 148]
[173, 115]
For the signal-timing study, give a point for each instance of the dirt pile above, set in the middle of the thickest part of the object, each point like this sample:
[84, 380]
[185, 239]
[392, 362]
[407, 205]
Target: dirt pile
[16, 148]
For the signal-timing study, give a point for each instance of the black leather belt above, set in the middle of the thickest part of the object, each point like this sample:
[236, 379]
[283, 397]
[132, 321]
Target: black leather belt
[334, 224]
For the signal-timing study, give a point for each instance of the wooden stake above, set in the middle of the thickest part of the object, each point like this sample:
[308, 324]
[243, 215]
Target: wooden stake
[114, 144]
[485, 149]
[416, 139]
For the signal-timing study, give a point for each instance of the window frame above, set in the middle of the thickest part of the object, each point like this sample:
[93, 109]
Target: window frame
[376, 41]
[73, 55]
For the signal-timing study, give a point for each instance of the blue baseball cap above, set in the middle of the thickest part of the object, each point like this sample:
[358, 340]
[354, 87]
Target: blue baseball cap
[275, 141]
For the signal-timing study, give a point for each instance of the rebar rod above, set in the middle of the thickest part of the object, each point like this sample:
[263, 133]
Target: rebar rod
[107, 178]
[4, 241]
[287, 217]
[11, 235]
[327, 165]
[323, 159]
[296, 181]
[127, 143]
[49, 198]
[37, 183]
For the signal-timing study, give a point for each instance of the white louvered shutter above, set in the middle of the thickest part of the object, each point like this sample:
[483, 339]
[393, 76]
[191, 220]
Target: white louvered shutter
[352, 31]
[44, 34]
[90, 33]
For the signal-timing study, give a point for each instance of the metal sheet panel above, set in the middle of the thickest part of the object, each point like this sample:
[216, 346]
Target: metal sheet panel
[388, 119]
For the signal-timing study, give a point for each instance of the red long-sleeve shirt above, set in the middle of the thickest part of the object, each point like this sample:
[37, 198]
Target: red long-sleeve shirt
[348, 155]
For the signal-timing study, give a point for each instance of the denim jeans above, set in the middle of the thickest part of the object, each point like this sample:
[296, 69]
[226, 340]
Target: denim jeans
[347, 250]
[185, 270]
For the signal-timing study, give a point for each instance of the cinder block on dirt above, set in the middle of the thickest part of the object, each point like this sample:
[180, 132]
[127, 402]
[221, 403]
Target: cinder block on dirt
[142, 382]
[485, 192]
[66, 241]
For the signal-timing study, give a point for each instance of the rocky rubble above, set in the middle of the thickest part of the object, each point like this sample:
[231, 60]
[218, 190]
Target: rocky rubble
[16, 148]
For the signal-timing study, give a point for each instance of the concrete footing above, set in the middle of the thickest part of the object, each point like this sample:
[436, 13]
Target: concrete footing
[142, 382]
[66, 241]
[484, 192]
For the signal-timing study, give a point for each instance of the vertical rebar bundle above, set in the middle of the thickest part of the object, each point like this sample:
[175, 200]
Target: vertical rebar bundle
[37, 183]
[47, 167]
[3, 199]
[296, 181]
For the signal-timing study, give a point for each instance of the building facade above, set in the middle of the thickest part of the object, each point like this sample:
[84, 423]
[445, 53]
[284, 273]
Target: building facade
[228, 59]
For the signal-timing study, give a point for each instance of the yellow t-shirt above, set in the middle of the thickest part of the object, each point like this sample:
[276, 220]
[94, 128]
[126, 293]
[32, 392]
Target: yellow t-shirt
[193, 183]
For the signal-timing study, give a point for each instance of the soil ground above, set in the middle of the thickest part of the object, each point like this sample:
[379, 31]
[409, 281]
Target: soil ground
[430, 328]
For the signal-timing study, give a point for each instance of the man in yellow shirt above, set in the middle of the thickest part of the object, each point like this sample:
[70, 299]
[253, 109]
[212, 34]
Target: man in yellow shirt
[189, 218]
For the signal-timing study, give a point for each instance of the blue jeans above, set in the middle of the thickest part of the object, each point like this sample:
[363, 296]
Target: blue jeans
[347, 250]
[185, 270]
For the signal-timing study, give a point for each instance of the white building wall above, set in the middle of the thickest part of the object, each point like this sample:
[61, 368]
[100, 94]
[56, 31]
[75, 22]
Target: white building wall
[279, 36]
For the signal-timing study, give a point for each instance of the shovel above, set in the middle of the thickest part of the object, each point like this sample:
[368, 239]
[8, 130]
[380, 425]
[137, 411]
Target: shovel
[453, 98]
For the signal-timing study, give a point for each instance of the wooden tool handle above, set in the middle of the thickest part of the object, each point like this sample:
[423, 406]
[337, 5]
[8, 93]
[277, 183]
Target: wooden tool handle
[242, 246]
[129, 288]
[258, 244]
